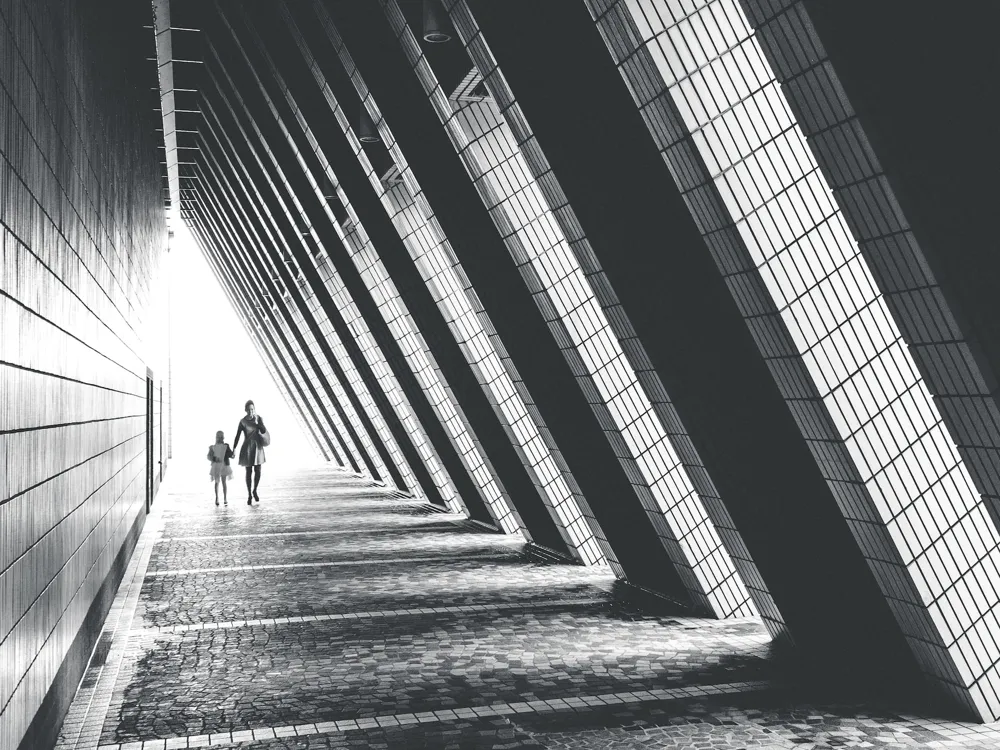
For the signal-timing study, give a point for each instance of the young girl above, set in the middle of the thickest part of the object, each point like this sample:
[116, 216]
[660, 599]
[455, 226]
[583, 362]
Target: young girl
[219, 454]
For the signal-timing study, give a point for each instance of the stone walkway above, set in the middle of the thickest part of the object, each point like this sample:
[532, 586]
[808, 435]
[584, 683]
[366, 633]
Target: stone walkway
[336, 614]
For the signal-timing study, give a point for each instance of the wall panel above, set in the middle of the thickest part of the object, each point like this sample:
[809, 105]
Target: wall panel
[82, 250]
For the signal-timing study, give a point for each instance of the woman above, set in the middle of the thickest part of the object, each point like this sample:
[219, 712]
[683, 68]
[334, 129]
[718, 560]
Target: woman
[252, 455]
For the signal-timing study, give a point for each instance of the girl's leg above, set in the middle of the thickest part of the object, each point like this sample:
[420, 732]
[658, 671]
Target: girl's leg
[216, 491]
[225, 491]
[256, 480]
[249, 485]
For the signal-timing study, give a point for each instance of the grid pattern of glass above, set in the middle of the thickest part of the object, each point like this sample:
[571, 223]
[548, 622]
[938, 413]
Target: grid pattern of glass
[343, 359]
[82, 253]
[228, 238]
[254, 327]
[425, 240]
[714, 107]
[352, 317]
[302, 344]
[549, 247]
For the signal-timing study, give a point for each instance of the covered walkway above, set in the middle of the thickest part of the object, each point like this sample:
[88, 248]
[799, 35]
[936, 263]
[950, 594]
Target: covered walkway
[339, 614]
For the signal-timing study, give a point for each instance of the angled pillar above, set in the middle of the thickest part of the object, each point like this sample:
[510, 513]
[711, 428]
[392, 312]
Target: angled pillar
[260, 277]
[255, 330]
[355, 389]
[429, 249]
[947, 332]
[222, 248]
[270, 156]
[273, 268]
[805, 276]
[229, 249]
[556, 261]
[398, 307]
[563, 406]
[491, 495]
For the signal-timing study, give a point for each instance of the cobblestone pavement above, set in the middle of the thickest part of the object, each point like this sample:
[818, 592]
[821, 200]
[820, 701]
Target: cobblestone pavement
[336, 614]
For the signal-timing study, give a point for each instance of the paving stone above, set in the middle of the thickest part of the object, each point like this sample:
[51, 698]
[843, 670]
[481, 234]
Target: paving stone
[463, 643]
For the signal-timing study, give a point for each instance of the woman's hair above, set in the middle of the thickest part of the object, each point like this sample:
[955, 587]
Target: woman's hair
[219, 436]
[248, 404]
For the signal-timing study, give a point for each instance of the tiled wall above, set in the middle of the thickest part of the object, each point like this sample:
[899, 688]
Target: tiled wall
[790, 254]
[82, 317]
[353, 237]
[308, 244]
[555, 259]
[429, 248]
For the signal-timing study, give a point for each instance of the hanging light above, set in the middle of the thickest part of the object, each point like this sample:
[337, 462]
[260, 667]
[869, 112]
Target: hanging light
[367, 133]
[329, 188]
[435, 23]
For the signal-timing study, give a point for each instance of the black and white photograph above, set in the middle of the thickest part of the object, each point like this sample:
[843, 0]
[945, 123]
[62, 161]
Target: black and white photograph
[606, 374]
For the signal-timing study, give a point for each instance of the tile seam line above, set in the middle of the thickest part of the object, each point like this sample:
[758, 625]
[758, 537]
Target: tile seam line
[26, 490]
[127, 601]
[329, 564]
[56, 375]
[365, 615]
[269, 513]
[265, 534]
[493, 709]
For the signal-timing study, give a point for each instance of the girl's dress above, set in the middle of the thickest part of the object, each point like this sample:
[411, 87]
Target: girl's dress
[252, 452]
[220, 453]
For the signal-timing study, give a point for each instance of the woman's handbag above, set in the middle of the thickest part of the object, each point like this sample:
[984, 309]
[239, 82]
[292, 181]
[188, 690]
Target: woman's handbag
[263, 436]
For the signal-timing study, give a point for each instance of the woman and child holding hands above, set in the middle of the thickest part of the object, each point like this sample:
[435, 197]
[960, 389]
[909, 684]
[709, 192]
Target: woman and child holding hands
[251, 456]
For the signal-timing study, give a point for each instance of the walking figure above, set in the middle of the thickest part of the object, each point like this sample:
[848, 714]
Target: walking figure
[252, 453]
[219, 454]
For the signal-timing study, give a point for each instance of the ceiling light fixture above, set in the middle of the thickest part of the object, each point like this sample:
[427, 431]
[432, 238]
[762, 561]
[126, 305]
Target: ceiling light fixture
[367, 132]
[435, 23]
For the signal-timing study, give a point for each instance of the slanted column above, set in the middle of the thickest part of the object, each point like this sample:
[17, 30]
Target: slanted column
[553, 255]
[396, 302]
[298, 233]
[225, 248]
[275, 266]
[838, 355]
[255, 329]
[360, 348]
[937, 324]
[468, 322]
[250, 227]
